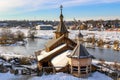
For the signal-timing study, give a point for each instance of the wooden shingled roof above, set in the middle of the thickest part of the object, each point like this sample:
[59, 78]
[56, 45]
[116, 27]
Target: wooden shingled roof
[61, 27]
[53, 41]
[79, 52]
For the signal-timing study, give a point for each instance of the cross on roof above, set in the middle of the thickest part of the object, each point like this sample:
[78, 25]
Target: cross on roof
[61, 8]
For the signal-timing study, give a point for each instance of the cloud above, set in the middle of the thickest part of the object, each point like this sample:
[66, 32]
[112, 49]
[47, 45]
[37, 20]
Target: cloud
[7, 5]
[19, 6]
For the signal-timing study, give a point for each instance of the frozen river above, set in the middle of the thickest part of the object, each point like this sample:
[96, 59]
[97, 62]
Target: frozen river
[106, 54]
[28, 49]
[37, 44]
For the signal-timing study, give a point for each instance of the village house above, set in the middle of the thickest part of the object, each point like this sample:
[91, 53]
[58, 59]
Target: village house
[63, 54]
[44, 27]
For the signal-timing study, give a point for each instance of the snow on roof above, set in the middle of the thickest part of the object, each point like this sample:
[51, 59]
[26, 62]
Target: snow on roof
[61, 60]
[44, 54]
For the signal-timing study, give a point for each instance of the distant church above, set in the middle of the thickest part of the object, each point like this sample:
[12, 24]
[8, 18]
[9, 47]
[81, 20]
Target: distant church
[61, 53]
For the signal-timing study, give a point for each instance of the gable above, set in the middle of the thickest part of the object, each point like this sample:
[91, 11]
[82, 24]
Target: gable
[61, 40]
[53, 41]
[80, 52]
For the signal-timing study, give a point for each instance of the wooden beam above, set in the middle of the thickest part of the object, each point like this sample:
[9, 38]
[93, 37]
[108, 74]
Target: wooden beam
[71, 66]
[79, 69]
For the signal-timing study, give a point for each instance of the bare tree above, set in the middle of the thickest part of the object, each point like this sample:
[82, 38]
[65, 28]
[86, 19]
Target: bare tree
[32, 33]
[5, 35]
[19, 35]
[116, 45]
[100, 43]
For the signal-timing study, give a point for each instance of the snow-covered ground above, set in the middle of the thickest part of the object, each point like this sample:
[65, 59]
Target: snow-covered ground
[57, 76]
[106, 62]
[47, 34]
[63, 76]
[9, 55]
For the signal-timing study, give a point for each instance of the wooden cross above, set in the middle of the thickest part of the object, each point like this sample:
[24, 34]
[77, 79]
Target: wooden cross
[61, 8]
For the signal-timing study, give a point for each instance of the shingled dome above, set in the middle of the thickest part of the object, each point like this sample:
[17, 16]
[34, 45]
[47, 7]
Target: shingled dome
[79, 52]
[61, 27]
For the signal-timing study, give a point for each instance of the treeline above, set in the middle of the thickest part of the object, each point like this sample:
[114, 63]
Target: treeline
[28, 23]
[25, 23]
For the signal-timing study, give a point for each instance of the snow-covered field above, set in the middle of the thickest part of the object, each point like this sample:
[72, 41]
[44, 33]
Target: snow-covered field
[57, 76]
[46, 34]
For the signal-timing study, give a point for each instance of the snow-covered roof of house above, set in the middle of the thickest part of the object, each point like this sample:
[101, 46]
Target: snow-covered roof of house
[61, 60]
[44, 54]
[79, 52]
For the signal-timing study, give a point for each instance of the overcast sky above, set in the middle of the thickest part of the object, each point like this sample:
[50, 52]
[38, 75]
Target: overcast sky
[49, 9]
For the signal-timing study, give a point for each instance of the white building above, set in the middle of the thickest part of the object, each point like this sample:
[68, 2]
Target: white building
[44, 27]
